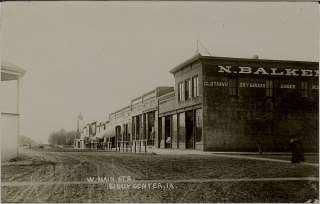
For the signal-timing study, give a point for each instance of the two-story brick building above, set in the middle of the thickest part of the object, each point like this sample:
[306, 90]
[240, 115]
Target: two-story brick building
[233, 104]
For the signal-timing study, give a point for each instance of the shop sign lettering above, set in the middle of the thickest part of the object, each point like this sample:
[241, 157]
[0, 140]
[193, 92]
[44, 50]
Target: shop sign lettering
[250, 85]
[269, 71]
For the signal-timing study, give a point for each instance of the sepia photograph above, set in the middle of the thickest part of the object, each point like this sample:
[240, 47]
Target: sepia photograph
[159, 102]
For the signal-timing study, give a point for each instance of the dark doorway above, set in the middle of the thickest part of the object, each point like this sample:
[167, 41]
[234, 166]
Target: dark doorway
[159, 131]
[150, 128]
[167, 138]
[113, 142]
[118, 135]
[118, 132]
[125, 133]
[189, 130]
[138, 126]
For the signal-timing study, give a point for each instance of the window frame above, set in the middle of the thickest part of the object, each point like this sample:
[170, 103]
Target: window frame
[304, 88]
[187, 89]
[234, 89]
[269, 87]
[195, 86]
[181, 91]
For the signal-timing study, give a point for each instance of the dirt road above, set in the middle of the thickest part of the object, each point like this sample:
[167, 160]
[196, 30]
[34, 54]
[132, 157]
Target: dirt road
[77, 177]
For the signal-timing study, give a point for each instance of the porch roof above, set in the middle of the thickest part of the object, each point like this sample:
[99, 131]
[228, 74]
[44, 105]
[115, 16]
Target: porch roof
[10, 71]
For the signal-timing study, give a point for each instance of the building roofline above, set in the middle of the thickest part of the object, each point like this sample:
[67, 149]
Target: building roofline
[119, 110]
[185, 63]
[156, 89]
[199, 56]
[167, 96]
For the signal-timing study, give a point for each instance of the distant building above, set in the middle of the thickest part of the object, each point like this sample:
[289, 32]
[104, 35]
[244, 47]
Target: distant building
[10, 120]
[136, 122]
[91, 136]
[224, 104]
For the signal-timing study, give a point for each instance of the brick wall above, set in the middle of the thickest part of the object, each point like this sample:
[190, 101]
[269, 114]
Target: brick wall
[241, 122]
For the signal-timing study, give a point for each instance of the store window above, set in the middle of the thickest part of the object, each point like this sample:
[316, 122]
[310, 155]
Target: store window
[198, 125]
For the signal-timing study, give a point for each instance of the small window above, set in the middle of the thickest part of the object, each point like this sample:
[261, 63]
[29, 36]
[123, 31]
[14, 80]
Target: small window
[304, 89]
[233, 87]
[188, 89]
[195, 86]
[269, 88]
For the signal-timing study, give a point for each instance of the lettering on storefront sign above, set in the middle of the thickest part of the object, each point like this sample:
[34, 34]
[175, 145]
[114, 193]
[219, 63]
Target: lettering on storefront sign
[271, 71]
[251, 85]
[216, 83]
[287, 86]
[241, 84]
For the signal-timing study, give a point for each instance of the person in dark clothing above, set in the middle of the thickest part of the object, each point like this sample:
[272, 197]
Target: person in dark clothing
[297, 150]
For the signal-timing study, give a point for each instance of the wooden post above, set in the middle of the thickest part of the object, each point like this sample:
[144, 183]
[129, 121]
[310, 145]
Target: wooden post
[139, 145]
[145, 146]
[194, 128]
[18, 112]
[147, 127]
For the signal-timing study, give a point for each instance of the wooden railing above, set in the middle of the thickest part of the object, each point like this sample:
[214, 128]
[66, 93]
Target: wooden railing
[132, 146]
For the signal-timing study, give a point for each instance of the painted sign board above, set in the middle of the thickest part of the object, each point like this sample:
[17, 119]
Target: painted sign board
[267, 71]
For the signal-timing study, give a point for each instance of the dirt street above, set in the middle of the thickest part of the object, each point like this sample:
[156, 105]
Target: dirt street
[42, 176]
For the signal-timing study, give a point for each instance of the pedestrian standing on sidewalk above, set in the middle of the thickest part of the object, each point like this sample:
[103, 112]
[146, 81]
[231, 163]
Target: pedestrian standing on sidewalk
[296, 150]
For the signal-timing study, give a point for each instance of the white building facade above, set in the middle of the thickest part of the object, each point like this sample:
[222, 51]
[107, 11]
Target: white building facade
[9, 126]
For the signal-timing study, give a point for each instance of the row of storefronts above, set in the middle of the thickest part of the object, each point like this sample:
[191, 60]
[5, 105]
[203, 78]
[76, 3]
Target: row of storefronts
[218, 104]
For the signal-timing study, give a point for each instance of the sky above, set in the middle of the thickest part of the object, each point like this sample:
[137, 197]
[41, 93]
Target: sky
[94, 57]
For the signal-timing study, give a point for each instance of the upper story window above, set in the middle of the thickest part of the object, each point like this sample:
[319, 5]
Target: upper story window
[180, 91]
[315, 91]
[195, 86]
[304, 89]
[188, 89]
[233, 86]
[269, 88]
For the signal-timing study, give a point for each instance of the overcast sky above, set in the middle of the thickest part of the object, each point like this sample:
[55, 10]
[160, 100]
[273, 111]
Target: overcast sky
[94, 57]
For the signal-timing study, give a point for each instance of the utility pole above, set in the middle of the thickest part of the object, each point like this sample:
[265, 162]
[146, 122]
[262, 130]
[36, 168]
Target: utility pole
[80, 117]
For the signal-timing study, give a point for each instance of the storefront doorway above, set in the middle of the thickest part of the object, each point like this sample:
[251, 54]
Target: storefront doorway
[150, 128]
[168, 137]
[118, 135]
[190, 143]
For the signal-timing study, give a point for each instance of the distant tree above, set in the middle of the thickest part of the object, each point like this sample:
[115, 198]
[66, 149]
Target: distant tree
[62, 137]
